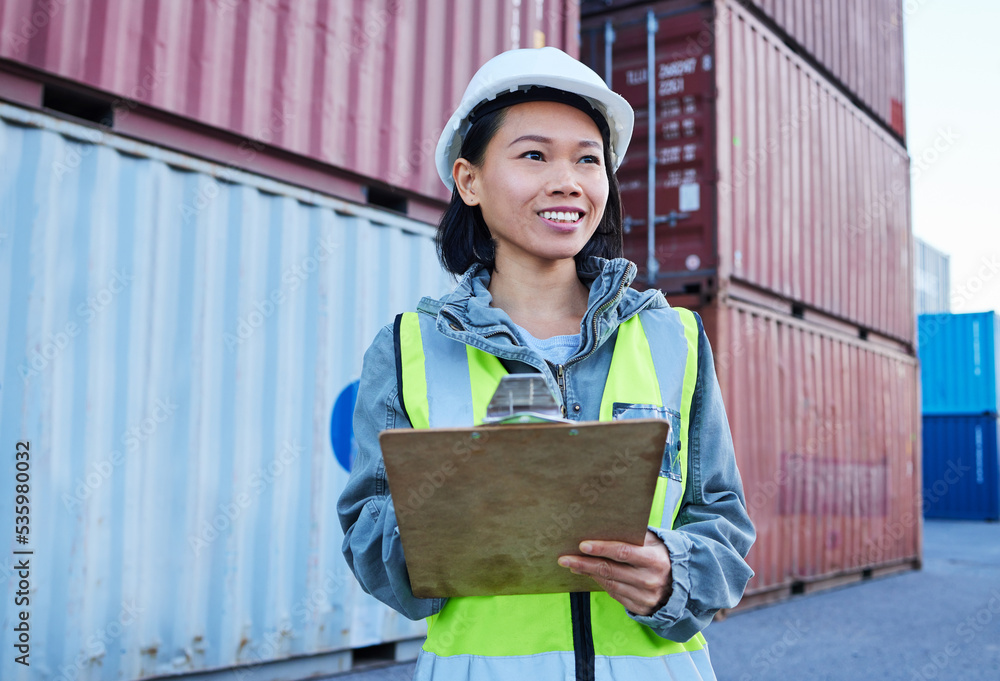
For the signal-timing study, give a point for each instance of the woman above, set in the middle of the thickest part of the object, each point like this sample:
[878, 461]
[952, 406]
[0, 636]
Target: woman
[534, 230]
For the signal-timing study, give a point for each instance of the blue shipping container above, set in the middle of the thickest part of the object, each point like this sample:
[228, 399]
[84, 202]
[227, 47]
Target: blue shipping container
[958, 363]
[961, 468]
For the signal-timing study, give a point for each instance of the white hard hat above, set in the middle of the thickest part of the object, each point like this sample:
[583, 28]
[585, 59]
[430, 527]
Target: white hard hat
[541, 67]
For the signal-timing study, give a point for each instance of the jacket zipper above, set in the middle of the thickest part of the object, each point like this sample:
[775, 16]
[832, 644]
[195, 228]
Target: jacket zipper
[561, 380]
[503, 333]
[560, 369]
[579, 602]
[457, 326]
[621, 287]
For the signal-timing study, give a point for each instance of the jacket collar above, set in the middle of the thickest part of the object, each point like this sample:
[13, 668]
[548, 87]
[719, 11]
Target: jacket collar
[465, 313]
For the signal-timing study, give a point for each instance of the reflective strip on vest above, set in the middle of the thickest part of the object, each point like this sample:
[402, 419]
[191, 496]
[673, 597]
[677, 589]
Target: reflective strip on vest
[682, 666]
[465, 377]
[649, 377]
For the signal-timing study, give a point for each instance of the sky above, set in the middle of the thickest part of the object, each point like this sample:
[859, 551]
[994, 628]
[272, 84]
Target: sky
[952, 52]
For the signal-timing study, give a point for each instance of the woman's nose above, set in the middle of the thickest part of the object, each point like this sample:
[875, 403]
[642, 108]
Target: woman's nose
[564, 179]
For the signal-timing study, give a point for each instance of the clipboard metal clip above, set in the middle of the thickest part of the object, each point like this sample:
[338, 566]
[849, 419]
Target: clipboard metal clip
[521, 399]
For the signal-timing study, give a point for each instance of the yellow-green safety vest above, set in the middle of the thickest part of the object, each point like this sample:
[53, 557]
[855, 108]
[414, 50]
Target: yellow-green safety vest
[531, 632]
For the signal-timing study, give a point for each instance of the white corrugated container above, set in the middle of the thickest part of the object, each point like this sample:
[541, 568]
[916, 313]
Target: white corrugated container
[931, 279]
[173, 336]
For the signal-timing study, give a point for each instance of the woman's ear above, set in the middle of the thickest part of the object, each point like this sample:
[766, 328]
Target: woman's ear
[464, 175]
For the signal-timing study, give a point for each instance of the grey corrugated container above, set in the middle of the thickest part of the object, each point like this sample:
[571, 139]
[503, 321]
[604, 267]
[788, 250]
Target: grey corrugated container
[931, 279]
[174, 335]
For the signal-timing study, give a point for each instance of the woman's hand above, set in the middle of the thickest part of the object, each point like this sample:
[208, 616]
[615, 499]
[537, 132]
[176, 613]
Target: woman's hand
[638, 577]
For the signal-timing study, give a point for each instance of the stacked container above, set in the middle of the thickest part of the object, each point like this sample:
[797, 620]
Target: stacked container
[781, 215]
[856, 46]
[959, 357]
[931, 279]
[347, 98]
[198, 205]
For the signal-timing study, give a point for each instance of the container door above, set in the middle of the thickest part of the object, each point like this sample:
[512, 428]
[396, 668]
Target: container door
[684, 145]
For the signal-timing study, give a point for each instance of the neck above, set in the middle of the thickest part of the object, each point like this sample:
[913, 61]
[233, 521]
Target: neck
[547, 299]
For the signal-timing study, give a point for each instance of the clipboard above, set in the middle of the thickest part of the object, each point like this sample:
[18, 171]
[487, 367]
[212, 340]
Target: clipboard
[487, 511]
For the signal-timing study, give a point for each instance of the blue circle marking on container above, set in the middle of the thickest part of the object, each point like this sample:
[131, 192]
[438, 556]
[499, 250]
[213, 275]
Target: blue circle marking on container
[345, 447]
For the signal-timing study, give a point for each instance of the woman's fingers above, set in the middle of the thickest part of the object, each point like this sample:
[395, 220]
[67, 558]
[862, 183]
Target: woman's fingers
[636, 576]
[637, 589]
[609, 571]
[631, 554]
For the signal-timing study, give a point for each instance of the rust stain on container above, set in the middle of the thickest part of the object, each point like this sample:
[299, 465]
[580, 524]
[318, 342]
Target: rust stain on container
[767, 177]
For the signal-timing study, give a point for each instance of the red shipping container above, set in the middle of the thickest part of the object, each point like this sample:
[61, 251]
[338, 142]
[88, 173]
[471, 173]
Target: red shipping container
[364, 87]
[857, 43]
[768, 179]
[827, 435]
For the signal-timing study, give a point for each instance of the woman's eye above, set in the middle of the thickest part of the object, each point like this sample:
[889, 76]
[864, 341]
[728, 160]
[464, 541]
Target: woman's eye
[590, 159]
[533, 155]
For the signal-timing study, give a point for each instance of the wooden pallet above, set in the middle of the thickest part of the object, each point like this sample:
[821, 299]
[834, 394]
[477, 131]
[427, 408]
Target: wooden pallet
[767, 597]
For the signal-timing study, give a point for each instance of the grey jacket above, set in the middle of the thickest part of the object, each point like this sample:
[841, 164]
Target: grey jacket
[713, 531]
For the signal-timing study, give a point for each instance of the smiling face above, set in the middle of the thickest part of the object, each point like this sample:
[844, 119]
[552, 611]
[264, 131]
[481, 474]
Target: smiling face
[542, 186]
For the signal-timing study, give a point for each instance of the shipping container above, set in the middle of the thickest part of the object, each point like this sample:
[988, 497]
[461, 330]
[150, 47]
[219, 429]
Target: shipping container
[363, 86]
[961, 468]
[174, 336]
[857, 45]
[766, 177]
[958, 360]
[931, 279]
[826, 429]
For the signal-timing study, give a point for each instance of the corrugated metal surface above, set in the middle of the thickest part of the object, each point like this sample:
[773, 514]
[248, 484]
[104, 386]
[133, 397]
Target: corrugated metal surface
[961, 467]
[958, 359]
[685, 149]
[174, 336]
[812, 197]
[826, 430]
[931, 279]
[858, 42]
[365, 85]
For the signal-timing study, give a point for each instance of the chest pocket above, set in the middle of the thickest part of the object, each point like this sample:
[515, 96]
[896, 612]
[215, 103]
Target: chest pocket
[670, 467]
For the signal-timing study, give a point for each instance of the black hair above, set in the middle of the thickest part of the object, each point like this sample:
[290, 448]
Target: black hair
[463, 238]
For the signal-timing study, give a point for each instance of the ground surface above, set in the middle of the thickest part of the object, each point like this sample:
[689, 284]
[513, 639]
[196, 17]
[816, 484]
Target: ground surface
[942, 622]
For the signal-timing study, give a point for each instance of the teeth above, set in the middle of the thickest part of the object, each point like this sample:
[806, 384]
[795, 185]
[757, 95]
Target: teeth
[560, 216]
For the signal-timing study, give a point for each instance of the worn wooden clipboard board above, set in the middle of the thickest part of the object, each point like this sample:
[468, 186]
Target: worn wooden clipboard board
[488, 511]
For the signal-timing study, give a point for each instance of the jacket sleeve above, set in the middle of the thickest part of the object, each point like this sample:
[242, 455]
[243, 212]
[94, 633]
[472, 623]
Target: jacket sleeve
[372, 545]
[713, 532]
